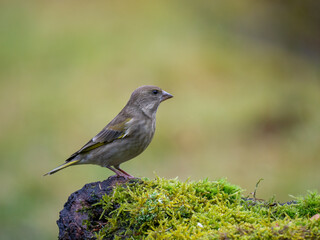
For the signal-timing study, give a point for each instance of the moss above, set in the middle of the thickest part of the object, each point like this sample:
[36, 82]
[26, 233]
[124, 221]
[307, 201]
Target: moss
[170, 209]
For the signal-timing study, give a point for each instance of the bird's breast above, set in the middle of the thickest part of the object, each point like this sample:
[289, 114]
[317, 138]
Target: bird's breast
[144, 131]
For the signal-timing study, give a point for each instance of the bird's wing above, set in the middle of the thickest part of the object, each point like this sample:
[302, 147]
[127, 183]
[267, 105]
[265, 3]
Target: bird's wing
[114, 130]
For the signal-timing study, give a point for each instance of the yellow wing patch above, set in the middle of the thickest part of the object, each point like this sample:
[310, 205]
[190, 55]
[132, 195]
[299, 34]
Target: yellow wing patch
[92, 147]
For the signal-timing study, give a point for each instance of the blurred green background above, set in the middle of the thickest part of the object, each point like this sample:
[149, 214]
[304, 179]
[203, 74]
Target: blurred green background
[245, 76]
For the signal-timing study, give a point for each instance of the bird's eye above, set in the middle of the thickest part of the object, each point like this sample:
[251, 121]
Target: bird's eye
[155, 92]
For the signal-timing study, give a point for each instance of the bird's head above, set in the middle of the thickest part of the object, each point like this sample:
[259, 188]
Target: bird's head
[148, 98]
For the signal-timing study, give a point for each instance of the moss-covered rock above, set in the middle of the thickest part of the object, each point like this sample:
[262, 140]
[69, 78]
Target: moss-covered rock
[170, 209]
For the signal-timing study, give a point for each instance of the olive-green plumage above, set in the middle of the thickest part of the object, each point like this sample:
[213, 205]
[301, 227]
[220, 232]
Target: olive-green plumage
[126, 136]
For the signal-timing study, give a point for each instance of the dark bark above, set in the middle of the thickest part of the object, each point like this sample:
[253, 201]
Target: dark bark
[72, 217]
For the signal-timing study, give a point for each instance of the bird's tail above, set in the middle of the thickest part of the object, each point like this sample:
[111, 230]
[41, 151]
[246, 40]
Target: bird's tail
[67, 164]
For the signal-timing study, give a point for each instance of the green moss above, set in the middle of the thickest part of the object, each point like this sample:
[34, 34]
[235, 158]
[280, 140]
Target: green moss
[170, 209]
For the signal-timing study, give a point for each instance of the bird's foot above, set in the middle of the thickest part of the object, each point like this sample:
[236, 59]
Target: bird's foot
[125, 174]
[121, 173]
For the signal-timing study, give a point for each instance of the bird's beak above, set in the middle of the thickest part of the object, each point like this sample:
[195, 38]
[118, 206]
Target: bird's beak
[165, 96]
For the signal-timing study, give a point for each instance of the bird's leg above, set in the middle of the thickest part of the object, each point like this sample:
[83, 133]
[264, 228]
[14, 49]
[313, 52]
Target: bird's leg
[119, 173]
[125, 173]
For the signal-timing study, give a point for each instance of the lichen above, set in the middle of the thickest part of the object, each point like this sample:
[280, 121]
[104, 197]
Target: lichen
[171, 209]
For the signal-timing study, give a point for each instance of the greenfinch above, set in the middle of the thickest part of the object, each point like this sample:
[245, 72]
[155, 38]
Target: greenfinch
[126, 136]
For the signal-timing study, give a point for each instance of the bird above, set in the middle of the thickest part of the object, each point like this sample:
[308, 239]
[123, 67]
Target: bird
[125, 137]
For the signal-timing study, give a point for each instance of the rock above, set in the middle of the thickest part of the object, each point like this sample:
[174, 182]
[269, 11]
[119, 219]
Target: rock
[72, 218]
